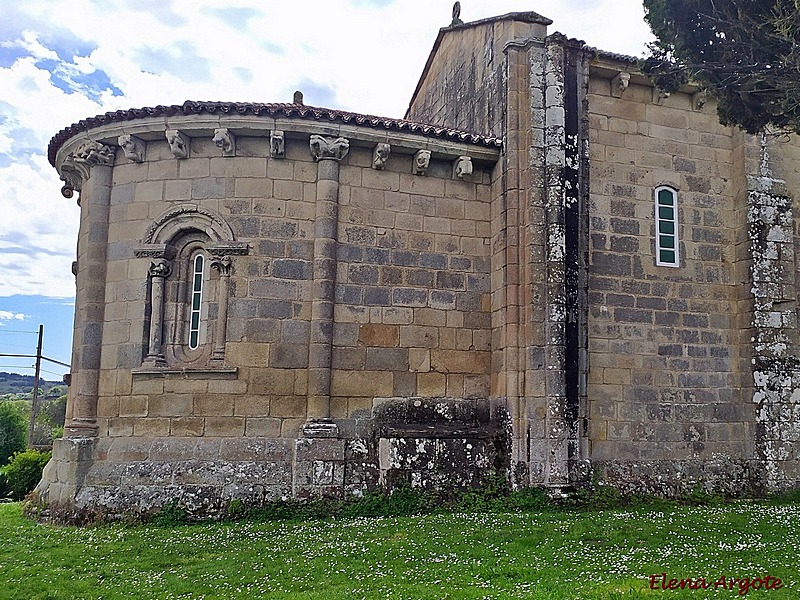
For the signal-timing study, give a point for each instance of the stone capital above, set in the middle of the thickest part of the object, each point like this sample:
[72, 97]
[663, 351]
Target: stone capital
[223, 264]
[328, 148]
[94, 153]
[159, 268]
[78, 165]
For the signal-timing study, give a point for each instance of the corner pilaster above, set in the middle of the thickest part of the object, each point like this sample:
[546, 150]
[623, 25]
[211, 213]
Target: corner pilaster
[89, 170]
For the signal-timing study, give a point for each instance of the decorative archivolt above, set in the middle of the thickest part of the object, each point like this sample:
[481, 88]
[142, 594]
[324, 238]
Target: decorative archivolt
[187, 217]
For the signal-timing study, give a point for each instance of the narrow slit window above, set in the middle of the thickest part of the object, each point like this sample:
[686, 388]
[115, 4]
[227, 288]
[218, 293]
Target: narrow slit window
[196, 302]
[666, 227]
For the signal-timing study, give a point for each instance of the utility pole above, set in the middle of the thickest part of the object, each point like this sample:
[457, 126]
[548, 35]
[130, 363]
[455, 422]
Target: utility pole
[35, 395]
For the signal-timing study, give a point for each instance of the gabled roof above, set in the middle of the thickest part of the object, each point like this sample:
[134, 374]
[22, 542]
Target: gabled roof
[297, 111]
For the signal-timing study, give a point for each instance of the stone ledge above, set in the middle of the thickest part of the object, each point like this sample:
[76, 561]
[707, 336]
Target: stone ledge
[189, 373]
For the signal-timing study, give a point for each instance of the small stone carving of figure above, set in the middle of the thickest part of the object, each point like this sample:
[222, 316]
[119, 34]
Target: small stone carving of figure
[298, 98]
[422, 160]
[132, 147]
[457, 15]
[223, 139]
[177, 143]
[462, 167]
[380, 156]
[277, 144]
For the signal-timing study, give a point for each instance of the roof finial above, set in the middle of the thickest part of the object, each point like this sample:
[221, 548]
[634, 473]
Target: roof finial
[456, 15]
[298, 98]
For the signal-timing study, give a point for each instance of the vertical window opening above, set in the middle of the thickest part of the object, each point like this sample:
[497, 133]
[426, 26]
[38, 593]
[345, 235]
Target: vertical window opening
[666, 207]
[196, 302]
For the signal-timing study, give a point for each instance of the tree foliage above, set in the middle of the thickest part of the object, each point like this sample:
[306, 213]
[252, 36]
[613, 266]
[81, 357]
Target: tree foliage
[745, 53]
[24, 471]
[13, 430]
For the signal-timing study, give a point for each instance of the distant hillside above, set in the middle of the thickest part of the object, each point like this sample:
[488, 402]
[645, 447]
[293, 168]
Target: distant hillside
[14, 383]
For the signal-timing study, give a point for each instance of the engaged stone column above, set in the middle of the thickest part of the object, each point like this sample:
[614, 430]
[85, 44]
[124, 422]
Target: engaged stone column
[224, 266]
[327, 152]
[88, 170]
[158, 272]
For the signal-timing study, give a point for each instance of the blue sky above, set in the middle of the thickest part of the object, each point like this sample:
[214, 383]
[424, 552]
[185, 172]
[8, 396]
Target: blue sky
[62, 61]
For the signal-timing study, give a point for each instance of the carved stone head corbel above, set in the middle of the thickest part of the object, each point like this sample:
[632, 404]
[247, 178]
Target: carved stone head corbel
[380, 156]
[225, 141]
[620, 83]
[422, 160]
[132, 146]
[462, 166]
[277, 144]
[178, 143]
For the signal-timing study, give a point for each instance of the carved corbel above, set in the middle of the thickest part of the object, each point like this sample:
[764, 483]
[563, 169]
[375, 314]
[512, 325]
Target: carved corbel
[659, 95]
[380, 156]
[422, 160]
[132, 146]
[178, 143]
[620, 83]
[462, 166]
[225, 140]
[699, 100]
[328, 148]
[277, 144]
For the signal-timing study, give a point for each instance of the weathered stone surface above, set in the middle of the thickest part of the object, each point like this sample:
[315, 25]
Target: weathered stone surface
[385, 302]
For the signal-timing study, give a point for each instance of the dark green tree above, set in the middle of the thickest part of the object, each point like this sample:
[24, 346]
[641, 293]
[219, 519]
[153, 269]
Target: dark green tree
[745, 53]
[13, 430]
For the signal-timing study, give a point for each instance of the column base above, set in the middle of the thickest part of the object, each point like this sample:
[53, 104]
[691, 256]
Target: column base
[80, 428]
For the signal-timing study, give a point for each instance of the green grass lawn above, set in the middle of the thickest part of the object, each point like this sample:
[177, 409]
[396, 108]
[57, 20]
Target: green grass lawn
[549, 555]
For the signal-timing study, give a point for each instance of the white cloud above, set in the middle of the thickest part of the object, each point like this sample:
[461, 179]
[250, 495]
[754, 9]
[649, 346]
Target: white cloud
[358, 55]
[6, 315]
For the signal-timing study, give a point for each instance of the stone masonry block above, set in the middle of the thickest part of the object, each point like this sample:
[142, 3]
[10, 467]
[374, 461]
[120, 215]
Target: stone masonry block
[371, 334]
[172, 405]
[187, 426]
[362, 383]
[224, 426]
[213, 405]
[262, 427]
[319, 449]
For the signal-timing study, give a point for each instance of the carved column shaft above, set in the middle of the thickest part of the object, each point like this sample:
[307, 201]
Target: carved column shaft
[158, 272]
[328, 154]
[90, 295]
[221, 325]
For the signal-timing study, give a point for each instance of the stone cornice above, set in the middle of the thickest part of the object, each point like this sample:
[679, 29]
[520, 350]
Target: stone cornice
[254, 118]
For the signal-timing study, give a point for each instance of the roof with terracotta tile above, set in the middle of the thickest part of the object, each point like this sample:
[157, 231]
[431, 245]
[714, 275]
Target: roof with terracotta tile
[281, 110]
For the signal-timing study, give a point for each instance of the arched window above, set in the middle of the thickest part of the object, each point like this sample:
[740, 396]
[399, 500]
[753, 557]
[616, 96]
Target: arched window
[185, 324]
[191, 296]
[196, 300]
[666, 226]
